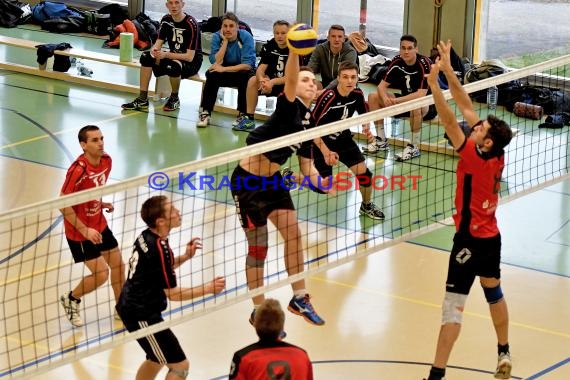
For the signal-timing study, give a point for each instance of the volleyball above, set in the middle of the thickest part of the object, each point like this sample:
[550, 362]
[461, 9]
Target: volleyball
[301, 39]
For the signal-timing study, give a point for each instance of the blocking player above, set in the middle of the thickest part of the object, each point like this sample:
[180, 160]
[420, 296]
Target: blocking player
[477, 242]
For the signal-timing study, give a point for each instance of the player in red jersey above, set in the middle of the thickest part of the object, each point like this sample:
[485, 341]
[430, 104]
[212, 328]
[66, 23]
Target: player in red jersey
[270, 358]
[477, 242]
[90, 239]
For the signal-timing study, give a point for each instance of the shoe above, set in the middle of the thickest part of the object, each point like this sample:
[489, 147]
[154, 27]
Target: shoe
[238, 120]
[504, 366]
[378, 145]
[287, 174]
[282, 334]
[137, 104]
[71, 309]
[409, 152]
[371, 210]
[245, 125]
[204, 119]
[171, 104]
[302, 306]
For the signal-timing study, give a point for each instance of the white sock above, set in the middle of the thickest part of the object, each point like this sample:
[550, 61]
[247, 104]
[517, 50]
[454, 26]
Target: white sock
[416, 138]
[300, 293]
[380, 132]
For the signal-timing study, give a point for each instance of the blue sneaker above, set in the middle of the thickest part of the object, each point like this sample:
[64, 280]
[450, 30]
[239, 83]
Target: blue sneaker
[244, 125]
[282, 335]
[302, 306]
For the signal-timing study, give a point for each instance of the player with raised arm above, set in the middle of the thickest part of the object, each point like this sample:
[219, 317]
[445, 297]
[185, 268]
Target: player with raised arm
[477, 242]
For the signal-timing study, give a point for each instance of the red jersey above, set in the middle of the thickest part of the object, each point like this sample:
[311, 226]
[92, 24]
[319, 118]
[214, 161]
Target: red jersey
[81, 175]
[477, 193]
[271, 360]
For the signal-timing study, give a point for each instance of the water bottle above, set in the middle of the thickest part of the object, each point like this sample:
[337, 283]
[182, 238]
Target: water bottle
[492, 94]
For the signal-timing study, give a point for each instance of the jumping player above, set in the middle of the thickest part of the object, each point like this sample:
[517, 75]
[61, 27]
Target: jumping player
[477, 242]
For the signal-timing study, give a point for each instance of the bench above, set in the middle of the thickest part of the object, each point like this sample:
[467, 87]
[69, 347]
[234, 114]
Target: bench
[162, 85]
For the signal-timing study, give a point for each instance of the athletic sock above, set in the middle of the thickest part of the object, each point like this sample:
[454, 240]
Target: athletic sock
[300, 293]
[416, 138]
[249, 116]
[380, 132]
[503, 348]
[72, 298]
[436, 373]
[143, 95]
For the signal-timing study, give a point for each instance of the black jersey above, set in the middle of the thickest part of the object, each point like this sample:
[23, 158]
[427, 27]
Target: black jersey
[289, 117]
[275, 58]
[408, 79]
[150, 272]
[181, 36]
[332, 106]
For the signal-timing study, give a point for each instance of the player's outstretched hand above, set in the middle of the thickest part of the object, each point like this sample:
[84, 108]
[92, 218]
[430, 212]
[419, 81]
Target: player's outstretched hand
[192, 246]
[216, 285]
[444, 49]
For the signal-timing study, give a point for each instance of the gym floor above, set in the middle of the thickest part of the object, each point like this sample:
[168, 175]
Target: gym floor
[382, 311]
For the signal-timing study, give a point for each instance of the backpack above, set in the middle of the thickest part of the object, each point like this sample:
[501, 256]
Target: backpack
[486, 69]
[98, 23]
[47, 10]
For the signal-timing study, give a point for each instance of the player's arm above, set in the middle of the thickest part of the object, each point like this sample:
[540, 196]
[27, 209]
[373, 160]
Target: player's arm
[308, 170]
[382, 91]
[191, 248]
[219, 47]
[446, 114]
[183, 294]
[291, 76]
[457, 91]
[89, 233]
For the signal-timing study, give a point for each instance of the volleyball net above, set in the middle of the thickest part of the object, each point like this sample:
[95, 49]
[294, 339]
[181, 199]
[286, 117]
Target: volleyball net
[416, 196]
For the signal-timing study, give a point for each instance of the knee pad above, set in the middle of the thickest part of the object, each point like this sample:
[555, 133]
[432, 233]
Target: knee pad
[452, 310]
[256, 256]
[171, 68]
[365, 180]
[146, 59]
[257, 246]
[181, 373]
[493, 295]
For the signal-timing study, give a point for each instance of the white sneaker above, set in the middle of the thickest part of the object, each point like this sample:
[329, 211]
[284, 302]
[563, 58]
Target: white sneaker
[204, 119]
[409, 152]
[504, 366]
[238, 120]
[71, 309]
[376, 146]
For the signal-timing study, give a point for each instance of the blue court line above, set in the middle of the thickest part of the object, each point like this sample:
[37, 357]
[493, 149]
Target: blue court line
[317, 362]
[45, 130]
[549, 369]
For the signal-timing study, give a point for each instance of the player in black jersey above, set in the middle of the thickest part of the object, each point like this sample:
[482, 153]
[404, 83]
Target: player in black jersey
[183, 60]
[407, 73]
[339, 103]
[259, 194]
[151, 280]
[269, 77]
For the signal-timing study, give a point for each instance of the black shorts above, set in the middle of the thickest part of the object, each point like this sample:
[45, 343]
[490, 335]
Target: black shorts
[188, 68]
[161, 347]
[85, 250]
[256, 197]
[470, 257]
[348, 152]
[430, 114]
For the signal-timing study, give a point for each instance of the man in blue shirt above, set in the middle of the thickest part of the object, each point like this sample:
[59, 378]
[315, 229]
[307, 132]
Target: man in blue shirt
[233, 63]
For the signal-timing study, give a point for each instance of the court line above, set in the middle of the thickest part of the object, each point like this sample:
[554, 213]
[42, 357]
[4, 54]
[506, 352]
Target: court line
[425, 303]
[380, 361]
[549, 369]
[53, 134]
